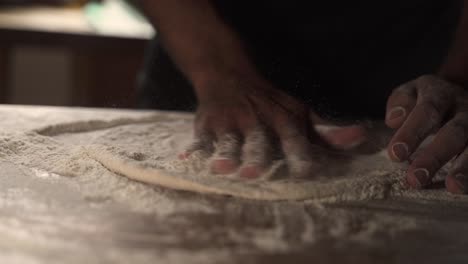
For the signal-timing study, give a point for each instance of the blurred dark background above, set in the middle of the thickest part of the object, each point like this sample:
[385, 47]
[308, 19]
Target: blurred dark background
[71, 52]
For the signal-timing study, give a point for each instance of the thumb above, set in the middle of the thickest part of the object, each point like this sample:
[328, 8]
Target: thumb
[345, 137]
[341, 137]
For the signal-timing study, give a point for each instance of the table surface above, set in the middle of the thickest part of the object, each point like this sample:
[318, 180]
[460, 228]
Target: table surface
[48, 218]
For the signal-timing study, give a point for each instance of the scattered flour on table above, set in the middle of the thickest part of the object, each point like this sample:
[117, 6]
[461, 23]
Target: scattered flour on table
[146, 150]
[49, 158]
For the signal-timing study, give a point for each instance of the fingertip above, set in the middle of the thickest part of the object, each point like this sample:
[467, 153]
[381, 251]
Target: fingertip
[224, 166]
[251, 171]
[395, 117]
[184, 155]
[418, 178]
[398, 151]
[346, 137]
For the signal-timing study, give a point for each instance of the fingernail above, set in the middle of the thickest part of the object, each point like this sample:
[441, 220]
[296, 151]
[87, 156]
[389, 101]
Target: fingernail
[183, 155]
[461, 181]
[396, 112]
[422, 175]
[223, 166]
[400, 151]
[250, 172]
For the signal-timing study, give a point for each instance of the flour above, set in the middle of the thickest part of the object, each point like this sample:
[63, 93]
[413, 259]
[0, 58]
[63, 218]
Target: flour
[145, 149]
[64, 195]
[148, 153]
[49, 158]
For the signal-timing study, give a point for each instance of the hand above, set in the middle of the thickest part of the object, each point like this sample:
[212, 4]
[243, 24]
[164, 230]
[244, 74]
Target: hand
[246, 123]
[423, 106]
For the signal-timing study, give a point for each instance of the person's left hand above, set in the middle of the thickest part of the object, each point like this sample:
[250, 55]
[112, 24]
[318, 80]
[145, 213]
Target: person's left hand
[423, 106]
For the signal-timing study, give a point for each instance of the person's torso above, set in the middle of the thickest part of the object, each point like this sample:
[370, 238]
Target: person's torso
[345, 47]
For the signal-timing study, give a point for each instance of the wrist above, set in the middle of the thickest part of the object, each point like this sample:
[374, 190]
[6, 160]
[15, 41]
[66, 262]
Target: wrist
[213, 79]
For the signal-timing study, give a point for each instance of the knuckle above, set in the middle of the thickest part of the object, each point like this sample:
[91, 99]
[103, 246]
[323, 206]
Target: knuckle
[401, 94]
[437, 89]
[426, 79]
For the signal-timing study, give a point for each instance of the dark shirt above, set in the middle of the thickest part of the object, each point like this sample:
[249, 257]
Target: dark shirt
[344, 57]
[341, 57]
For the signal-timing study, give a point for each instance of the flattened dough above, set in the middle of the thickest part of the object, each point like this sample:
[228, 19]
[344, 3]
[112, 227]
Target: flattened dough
[148, 153]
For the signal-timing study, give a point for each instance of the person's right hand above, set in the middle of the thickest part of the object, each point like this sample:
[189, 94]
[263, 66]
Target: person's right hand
[244, 123]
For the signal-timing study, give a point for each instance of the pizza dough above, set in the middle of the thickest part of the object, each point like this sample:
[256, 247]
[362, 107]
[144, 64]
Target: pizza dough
[148, 153]
[357, 184]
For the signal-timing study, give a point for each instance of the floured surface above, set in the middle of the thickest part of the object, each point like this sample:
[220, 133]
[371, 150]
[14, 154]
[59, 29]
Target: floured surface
[59, 204]
[148, 153]
[145, 148]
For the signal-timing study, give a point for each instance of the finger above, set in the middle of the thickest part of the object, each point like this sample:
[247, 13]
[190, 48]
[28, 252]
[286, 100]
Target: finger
[203, 146]
[204, 139]
[344, 137]
[400, 103]
[257, 153]
[426, 115]
[225, 160]
[449, 142]
[341, 137]
[298, 152]
[457, 180]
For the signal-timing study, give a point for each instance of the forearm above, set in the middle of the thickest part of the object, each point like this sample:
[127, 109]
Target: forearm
[455, 67]
[196, 38]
